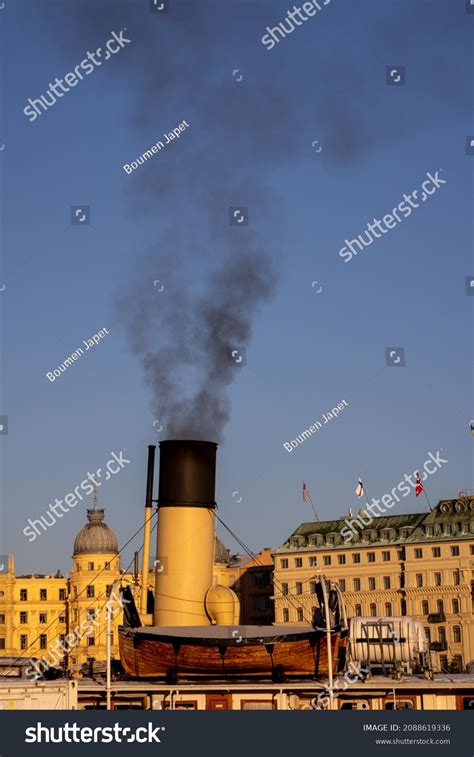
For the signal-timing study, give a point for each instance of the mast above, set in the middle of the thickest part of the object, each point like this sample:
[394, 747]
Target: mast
[147, 530]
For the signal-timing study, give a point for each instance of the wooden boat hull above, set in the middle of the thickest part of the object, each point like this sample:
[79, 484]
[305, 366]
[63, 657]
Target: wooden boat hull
[263, 652]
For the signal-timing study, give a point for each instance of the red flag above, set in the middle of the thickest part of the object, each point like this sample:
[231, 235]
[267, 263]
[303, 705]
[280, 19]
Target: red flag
[418, 484]
[305, 493]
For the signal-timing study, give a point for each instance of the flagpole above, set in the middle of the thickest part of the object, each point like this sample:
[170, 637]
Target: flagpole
[426, 497]
[308, 495]
[314, 509]
[365, 493]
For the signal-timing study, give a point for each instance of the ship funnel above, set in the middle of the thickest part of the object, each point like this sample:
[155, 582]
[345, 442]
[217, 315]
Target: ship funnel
[185, 537]
[187, 474]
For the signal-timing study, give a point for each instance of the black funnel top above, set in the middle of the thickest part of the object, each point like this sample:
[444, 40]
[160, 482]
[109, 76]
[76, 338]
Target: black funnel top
[187, 473]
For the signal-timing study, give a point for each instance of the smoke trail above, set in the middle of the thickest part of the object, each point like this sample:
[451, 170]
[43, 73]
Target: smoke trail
[215, 281]
[217, 277]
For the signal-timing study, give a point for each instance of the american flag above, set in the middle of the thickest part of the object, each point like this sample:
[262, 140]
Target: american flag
[418, 484]
[305, 493]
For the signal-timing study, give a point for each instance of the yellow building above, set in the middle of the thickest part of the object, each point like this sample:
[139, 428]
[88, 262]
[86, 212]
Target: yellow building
[62, 621]
[420, 565]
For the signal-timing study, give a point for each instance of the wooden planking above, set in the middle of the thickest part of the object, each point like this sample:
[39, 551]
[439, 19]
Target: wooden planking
[145, 658]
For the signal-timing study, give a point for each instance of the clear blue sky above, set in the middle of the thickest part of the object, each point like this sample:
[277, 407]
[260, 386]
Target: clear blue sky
[249, 143]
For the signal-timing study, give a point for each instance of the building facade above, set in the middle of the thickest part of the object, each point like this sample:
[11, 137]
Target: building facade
[252, 581]
[420, 565]
[60, 620]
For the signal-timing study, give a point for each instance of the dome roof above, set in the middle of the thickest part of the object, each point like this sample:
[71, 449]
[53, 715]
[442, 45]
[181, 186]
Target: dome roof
[95, 537]
[221, 553]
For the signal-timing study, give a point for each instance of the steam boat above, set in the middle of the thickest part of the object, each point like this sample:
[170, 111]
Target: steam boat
[194, 628]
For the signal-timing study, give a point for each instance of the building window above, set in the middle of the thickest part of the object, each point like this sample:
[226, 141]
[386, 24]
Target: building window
[43, 617]
[312, 587]
[23, 595]
[286, 615]
[442, 634]
[261, 579]
[299, 614]
[356, 584]
[425, 607]
[43, 595]
[372, 584]
[457, 634]
[75, 616]
[386, 556]
[23, 617]
[62, 594]
[472, 549]
[386, 582]
[23, 641]
[443, 663]
[43, 641]
[456, 663]
[358, 611]
[298, 562]
[440, 606]
[437, 579]
[107, 566]
[313, 561]
[370, 556]
[356, 558]
[90, 591]
[260, 602]
[2, 619]
[90, 614]
[342, 584]
[108, 590]
[341, 559]
[436, 551]
[401, 553]
[91, 641]
[299, 587]
[284, 589]
[327, 559]
[90, 566]
[373, 610]
[418, 553]
[62, 618]
[455, 551]
[455, 606]
[388, 609]
[456, 577]
[2, 642]
[284, 563]
[419, 580]
[428, 634]
[447, 528]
